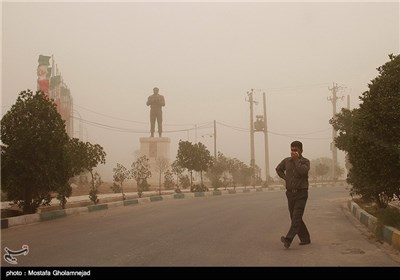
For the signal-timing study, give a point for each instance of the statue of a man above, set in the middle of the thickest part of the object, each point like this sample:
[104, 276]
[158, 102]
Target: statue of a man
[156, 102]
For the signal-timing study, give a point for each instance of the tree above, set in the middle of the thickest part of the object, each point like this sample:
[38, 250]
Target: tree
[34, 161]
[92, 155]
[184, 181]
[257, 175]
[169, 180]
[120, 175]
[85, 156]
[202, 158]
[94, 190]
[161, 166]
[245, 174]
[193, 157]
[219, 166]
[38, 158]
[321, 168]
[141, 172]
[370, 135]
[185, 157]
[241, 172]
[178, 171]
[63, 193]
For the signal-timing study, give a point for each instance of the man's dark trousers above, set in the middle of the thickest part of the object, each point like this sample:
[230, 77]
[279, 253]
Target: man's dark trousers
[297, 203]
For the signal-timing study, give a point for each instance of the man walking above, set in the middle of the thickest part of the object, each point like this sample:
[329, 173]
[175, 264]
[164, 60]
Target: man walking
[294, 170]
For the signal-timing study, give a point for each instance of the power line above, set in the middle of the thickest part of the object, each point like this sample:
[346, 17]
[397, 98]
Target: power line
[129, 130]
[280, 134]
[203, 125]
[292, 87]
[108, 116]
[300, 137]
[235, 127]
[132, 121]
[308, 133]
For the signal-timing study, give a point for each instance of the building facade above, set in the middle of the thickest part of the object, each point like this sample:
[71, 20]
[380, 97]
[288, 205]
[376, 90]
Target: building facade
[51, 83]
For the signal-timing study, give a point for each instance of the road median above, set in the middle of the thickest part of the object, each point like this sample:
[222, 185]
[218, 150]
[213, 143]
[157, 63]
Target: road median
[108, 203]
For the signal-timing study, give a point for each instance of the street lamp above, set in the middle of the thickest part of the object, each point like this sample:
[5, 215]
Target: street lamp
[211, 135]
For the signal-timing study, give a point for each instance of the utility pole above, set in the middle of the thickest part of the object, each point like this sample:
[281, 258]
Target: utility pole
[347, 161]
[215, 140]
[348, 102]
[252, 154]
[266, 140]
[333, 99]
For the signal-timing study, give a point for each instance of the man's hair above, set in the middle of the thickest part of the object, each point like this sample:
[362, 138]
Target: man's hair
[297, 144]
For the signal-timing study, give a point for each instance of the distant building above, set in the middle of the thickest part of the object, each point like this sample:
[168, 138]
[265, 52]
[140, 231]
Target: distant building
[51, 83]
[43, 72]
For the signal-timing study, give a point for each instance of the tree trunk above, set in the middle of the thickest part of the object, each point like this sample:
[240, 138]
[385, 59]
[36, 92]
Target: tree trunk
[122, 191]
[159, 184]
[27, 207]
[379, 202]
[91, 173]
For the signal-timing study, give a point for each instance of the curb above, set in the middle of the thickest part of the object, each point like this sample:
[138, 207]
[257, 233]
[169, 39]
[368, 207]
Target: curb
[51, 215]
[388, 234]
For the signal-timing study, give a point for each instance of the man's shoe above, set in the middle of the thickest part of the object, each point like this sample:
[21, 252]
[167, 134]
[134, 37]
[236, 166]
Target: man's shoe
[305, 242]
[286, 242]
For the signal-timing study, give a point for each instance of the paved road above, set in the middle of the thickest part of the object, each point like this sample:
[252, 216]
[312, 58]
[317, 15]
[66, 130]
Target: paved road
[229, 230]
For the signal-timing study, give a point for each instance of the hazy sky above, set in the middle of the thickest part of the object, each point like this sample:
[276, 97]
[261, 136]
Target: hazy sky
[204, 57]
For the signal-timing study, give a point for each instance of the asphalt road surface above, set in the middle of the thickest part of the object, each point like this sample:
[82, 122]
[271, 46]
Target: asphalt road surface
[228, 230]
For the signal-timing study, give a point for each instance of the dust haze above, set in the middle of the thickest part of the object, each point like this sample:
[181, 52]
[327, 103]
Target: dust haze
[204, 58]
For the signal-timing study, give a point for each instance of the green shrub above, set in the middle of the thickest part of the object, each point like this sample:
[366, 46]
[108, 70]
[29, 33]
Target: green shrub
[389, 216]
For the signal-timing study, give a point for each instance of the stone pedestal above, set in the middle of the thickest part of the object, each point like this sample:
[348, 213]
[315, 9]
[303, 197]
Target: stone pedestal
[153, 148]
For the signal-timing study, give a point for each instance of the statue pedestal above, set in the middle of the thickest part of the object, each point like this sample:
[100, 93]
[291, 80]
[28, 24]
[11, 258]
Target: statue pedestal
[153, 148]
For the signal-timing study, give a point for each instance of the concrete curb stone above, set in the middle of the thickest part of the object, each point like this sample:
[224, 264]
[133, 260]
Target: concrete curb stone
[52, 215]
[131, 202]
[387, 233]
[76, 211]
[24, 219]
